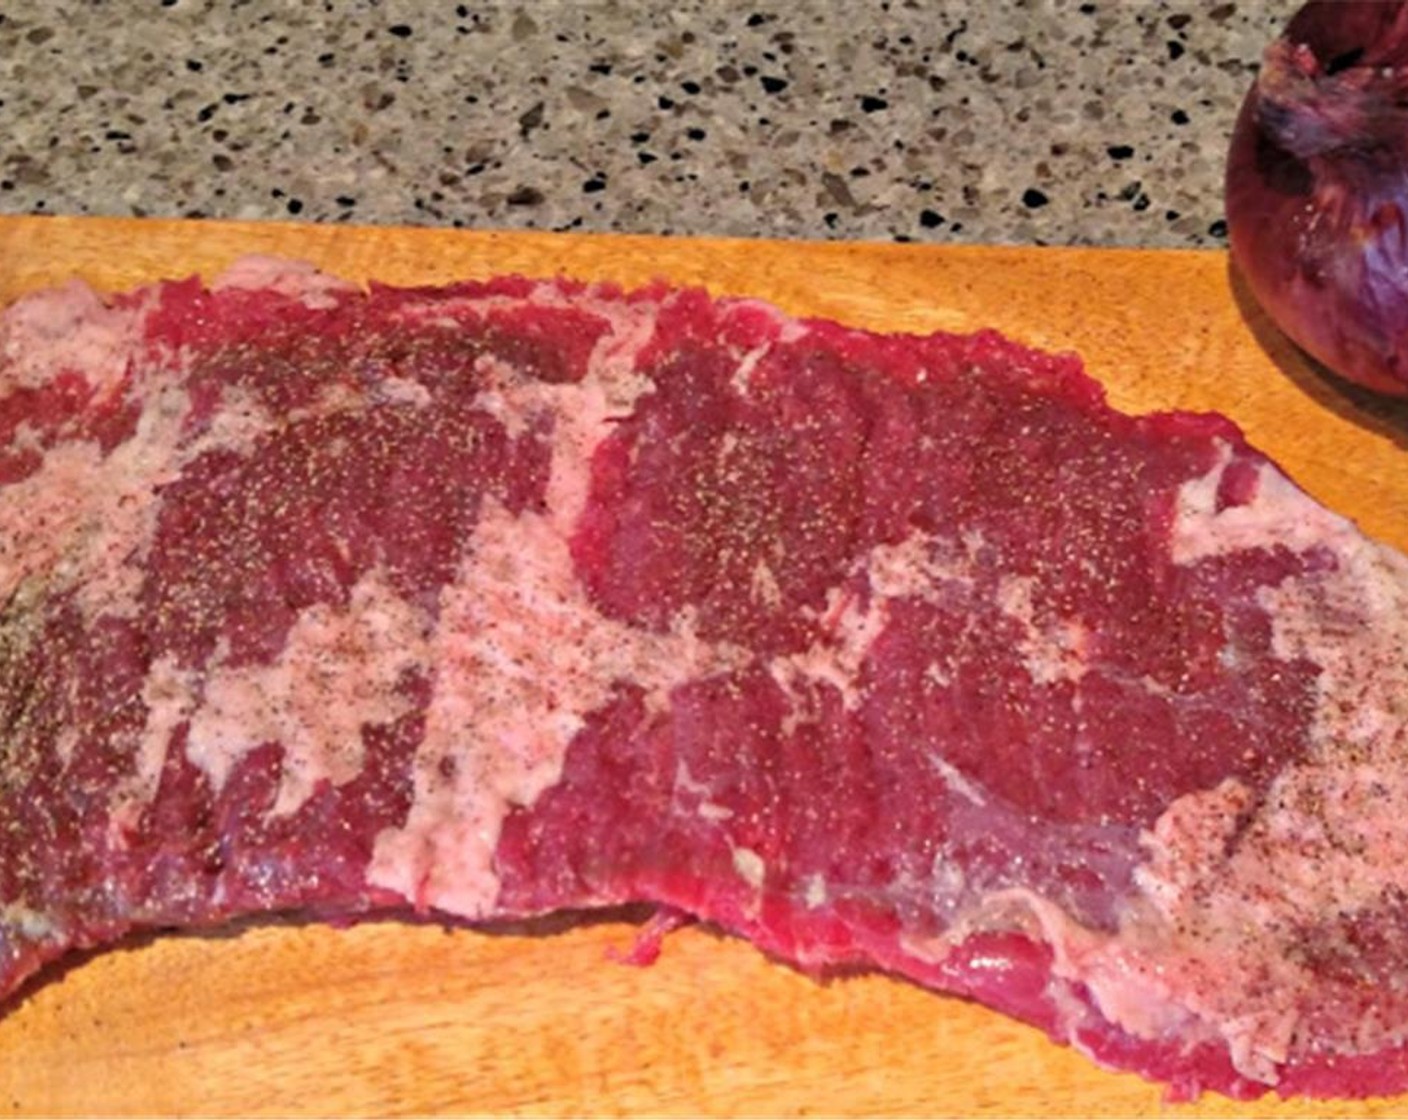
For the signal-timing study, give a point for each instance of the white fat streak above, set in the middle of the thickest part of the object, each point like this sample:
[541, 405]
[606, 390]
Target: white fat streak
[916, 567]
[763, 585]
[958, 781]
[913, 568]
[509, 399]
[580, 416]
[1190, 836]
[169, 694]
[1052, 653]
[403, 390]
[743, 375]
[750, 867]
[97, 518]
[338, 673]
[237, 424]
[450, 311]
[296, 279]
[522, 656]
[836, 659]
[585, 413]
[1353, 624]
[29, 923]
[86, 522]
[582, 413]
[68, 329]
[1278, 514]
[707, 810]
[1128, 989]
[949, 879]
[119, 508]
[1201, 950]
[908, 569]
[78, 517]
[65, 743]
[1327, 838]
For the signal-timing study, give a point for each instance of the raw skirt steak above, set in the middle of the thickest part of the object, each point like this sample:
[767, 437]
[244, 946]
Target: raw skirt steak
[898, 652]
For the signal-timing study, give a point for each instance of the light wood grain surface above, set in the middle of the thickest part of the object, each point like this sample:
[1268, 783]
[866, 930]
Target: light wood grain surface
[388, 1018]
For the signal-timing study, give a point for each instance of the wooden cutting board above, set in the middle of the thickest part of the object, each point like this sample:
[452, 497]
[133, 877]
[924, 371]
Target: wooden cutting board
[395, 1019]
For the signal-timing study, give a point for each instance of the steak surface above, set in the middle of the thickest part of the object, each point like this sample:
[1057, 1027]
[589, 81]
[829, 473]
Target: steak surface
[881, 651]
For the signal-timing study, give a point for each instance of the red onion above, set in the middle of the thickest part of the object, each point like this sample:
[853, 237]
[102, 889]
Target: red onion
[1317, 188]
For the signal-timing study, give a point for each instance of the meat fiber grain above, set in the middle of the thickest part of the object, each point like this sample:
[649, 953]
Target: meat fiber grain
[890, 651]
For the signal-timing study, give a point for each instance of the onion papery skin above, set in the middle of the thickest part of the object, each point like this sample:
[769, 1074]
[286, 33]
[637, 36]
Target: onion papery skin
[1317, 188]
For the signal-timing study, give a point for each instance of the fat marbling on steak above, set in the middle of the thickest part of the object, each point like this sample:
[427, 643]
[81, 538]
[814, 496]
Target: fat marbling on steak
[904, 652]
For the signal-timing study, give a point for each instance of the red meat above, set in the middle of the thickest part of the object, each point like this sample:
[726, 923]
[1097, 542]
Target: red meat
[903, 652]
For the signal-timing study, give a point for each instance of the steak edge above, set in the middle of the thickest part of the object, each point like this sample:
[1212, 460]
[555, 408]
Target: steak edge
[885, 651]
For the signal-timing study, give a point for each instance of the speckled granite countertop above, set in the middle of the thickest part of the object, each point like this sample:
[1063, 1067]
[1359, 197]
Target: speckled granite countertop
[1030, 121]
